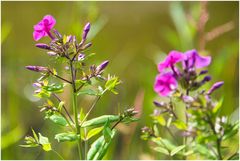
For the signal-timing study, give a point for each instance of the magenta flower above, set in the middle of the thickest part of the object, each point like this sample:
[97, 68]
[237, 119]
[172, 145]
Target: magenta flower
[165, 84]
[43, 28]
[172, 58]
[192, 59]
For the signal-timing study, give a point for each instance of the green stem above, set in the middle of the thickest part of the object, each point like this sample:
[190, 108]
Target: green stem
[58, 154]
[74, 93]
[76, 124]
[92, 106]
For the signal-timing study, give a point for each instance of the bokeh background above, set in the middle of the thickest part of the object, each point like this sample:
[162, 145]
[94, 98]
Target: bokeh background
[134, 36]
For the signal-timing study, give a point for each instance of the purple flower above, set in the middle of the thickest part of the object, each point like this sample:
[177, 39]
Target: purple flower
[37, 68]
[165, 84]
[214, 87]
[192, 59]
[172, 58]
[43, 28]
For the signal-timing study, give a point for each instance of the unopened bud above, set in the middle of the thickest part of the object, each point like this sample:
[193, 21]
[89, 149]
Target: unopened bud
[203, 72]
[187, 99]
[87, 45]
[37, 68]
[58, 35]
[69, 38]
[51, 53]
[214, 87]
[43, 46]
[85, 31]
[160, 104]
[102, 66]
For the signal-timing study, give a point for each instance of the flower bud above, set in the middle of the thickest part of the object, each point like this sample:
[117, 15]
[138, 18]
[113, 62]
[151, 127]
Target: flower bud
[37, 84]
[43, 46]
[214, 87]
[85, 31]
[87, 45]
[81, 57]
[37, 68]
[51, 53]
[58, 35]
[187, 99]
[203, 72]
[160, 104]
[102, 66]
[69, 38]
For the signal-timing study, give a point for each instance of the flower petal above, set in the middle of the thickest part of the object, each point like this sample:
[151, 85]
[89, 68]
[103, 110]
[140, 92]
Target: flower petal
[38, 35]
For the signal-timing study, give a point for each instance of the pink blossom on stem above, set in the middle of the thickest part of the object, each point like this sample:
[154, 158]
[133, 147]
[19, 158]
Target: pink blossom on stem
[165, 84]
[172, 58]
[193, 59]
[43, 28]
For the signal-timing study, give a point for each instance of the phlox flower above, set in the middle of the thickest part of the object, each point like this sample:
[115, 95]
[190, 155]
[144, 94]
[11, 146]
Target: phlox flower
[165, 83]
[43, 28]
[193, 59]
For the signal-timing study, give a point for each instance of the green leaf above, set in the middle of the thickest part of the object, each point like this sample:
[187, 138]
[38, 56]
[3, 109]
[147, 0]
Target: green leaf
[164, 143]
[44, 142]
[101, 120]
[180, 125]
[169, 121]
[89, 92]
[58, 119]
[61, 137]
[107, 131]
[43, 94]
[204, 151]
[177, 149]
[160, 120]
[111, 84]
[217, 107]
[57, 88]
[99, 148]
[161, 150]
[60, 105]
[95, 147]
[93, 132]
[35, 136]
[231, 131]
[100, 154]
[29, 145]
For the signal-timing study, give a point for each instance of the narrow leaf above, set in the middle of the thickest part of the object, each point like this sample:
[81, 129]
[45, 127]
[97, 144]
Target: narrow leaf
[177, 149]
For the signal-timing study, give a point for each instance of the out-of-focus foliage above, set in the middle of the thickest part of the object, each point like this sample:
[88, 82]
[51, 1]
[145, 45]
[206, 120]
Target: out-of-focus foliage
[134, 36]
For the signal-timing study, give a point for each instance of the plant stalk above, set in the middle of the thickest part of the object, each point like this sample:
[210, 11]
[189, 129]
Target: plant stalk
[75, 111]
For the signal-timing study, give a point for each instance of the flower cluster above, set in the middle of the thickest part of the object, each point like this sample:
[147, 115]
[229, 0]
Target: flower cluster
[83, 79]
[167, 81]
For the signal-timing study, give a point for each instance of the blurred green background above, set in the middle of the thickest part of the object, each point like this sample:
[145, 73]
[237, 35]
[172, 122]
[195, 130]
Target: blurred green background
[134, 36]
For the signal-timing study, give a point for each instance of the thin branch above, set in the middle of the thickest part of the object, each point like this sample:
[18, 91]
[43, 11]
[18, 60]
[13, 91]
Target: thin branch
[117, 123]
[63, 107]
[60, 77]
[92, 106]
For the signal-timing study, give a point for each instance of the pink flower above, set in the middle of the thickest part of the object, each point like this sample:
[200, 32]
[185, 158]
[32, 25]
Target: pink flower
[165, 84]
[43, 28]
[172, 58]
[192, 59]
